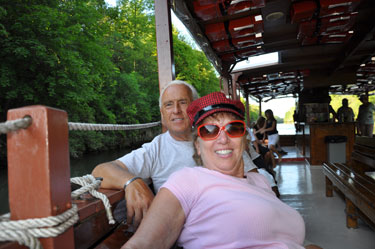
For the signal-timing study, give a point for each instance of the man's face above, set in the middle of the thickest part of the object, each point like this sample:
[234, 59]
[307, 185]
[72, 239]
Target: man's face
[174, 102]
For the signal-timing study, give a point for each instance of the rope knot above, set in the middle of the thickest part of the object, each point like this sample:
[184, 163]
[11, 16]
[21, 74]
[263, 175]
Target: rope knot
[90, 184]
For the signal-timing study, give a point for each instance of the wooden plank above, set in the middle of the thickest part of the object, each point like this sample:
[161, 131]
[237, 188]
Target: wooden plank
[116, 239]
[351, 214]
[38, 169]
[370, 175]
[363, 159]
[90, 205]
[93, 224]
[329, 187]
[365, 150]
[365, 141]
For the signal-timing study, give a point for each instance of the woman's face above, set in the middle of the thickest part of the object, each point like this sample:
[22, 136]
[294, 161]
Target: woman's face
[223, 154]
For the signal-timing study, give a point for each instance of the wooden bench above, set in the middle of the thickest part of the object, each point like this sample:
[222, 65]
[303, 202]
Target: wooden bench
[353, 181]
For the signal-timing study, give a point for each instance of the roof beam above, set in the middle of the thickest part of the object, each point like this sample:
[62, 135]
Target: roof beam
[362, 30]
[182, 12]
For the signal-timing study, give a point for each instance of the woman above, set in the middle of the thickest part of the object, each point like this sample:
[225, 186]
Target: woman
[267, 155]
[269, 128]
[257, 128]
[214, 206]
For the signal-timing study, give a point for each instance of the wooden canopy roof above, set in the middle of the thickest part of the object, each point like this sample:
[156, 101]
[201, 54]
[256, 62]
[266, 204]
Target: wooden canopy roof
[321, 43]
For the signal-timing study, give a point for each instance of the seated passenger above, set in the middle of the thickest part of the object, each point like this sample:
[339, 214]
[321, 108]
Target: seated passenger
[257, 128]
[156, 160]
[266, 154]
[214, 206]
[270, 128]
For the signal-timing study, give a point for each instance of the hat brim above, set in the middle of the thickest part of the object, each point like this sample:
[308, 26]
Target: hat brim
[210, 112]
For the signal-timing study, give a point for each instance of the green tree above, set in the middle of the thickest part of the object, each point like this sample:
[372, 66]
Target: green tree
[192, 66]
[97, 63]
[288, 118]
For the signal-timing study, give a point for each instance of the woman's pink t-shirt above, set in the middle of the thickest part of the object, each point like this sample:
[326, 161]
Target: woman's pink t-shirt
[228, 212]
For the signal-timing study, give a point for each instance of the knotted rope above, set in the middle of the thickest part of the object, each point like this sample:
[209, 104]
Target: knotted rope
[26, 232]
[90, 184]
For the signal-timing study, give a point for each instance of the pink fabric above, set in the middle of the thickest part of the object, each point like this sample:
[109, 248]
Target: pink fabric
[227, 212]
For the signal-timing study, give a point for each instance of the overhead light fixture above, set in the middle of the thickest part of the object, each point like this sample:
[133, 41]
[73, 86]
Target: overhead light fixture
[274, 16]
[258, 18]
[351, 31]
[362, 65]
[258, 35]
[373, 58]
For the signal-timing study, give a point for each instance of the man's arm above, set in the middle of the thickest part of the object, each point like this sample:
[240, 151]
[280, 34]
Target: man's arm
[137, 194]
[115, 174]
[162, 224]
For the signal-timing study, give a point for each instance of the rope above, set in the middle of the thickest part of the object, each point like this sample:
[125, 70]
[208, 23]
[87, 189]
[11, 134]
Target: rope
[90, 184]
[25, 122]
[26, 232]
[15, 125]
[109, 127]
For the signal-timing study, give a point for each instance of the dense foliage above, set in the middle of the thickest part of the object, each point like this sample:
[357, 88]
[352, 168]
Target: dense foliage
[96, 62]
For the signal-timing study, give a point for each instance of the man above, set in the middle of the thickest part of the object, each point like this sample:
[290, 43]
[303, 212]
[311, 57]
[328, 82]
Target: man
[365, 116]
[165, 154]
[345, 113]
[331, 110]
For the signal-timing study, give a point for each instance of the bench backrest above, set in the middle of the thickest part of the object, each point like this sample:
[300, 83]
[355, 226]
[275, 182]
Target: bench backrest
[363, 156]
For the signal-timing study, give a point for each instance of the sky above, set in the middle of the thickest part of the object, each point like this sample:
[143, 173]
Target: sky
[278, 106]
[111, 2]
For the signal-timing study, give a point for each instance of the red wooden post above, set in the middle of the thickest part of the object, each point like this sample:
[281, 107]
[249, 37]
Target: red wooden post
[38, 169]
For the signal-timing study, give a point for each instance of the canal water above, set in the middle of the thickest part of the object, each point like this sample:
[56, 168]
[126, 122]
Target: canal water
[78, 167]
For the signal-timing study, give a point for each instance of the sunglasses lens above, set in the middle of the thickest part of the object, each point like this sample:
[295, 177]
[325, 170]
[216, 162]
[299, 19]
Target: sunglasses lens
[235, 129]
[208, 131]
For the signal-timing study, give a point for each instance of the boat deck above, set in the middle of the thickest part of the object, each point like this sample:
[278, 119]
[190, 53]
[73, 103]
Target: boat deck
[302, 186]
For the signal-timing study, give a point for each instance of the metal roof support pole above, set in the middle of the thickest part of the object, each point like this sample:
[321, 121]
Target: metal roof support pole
[164, 42]
[248, 121]
[260, 106]
[38, 169]
[225, 85]
[235, 76]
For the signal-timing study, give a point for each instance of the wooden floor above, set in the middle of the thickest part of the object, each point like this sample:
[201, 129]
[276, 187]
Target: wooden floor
[302, 186]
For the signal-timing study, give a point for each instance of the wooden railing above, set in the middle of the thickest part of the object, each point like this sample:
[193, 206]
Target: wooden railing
[39, 184]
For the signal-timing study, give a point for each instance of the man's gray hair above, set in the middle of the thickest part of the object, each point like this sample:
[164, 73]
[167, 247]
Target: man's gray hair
[194, 92]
